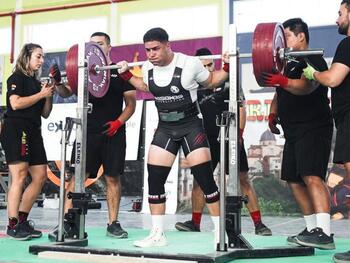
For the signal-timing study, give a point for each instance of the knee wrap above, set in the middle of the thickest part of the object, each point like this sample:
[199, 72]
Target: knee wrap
[157, 176]
[203, 173]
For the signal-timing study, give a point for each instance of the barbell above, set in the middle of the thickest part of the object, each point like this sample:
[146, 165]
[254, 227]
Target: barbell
[269, 54]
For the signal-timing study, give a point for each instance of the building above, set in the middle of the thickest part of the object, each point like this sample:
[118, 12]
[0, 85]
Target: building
[266, 157]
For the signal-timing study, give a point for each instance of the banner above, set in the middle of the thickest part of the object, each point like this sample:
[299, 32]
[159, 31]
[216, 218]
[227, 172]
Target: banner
[133, 133]
[52, 135]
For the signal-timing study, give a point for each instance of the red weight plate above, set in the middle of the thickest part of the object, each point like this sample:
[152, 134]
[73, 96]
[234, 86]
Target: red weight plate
[268, 39]
[72, 68]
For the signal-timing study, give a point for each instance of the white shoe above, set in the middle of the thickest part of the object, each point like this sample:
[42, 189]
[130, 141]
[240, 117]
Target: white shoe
[155, 239]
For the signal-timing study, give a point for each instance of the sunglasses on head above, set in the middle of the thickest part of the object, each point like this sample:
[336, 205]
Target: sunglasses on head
[208, 65]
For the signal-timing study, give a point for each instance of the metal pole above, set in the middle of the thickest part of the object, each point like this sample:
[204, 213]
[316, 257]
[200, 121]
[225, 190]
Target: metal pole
[233, 131]
[233, 144]
[64, 142]
[222, 226]
[81, 134]
[233, 187]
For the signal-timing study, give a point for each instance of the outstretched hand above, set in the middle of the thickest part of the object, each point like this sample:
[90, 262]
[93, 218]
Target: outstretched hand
[309, 71]
[226, 60]
[124, 71]
[275, 80]
[123, 66]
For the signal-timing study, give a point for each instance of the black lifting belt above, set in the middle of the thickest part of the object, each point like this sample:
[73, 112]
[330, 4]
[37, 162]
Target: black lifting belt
[170, 116]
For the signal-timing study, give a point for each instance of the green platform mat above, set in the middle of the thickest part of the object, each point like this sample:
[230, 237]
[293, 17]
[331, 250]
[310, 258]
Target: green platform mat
[179, 242]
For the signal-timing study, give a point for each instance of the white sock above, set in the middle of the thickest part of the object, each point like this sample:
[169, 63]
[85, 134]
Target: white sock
[158, 223]
[216, 222]
[310, 221]
[323, 220]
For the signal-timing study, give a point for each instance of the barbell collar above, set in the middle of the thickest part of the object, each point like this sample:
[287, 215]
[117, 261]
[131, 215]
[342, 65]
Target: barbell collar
[290, 53]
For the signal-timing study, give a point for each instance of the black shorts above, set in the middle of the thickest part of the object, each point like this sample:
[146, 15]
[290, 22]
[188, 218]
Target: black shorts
[307, 156]
[189, 136]
[106, 151]
[215, 154]
[342, 141]
[22, 141]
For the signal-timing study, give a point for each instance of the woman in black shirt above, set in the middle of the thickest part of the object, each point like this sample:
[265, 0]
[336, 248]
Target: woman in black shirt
[26, 100]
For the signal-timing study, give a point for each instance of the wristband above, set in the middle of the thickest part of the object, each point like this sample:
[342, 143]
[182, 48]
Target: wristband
[226, 67]
[127, 75]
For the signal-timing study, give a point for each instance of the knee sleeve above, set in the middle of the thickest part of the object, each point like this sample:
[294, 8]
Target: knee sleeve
[203, 173]
[157, 176]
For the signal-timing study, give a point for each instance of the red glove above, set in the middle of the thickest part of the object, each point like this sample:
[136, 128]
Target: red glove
[273, 121]
[226, 67]
[274, 80]
[55, 73]
[112, 128]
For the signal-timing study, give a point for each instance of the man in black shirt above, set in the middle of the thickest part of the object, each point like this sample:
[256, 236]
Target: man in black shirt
[303, 110]
[212, 103]
[106, 141]
[338, 79]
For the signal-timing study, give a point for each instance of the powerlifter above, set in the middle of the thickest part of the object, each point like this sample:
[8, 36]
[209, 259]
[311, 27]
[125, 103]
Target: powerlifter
[173, 79]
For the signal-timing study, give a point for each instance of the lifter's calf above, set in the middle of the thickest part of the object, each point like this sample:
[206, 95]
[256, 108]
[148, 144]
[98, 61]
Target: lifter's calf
[248, 190]
[198, 200]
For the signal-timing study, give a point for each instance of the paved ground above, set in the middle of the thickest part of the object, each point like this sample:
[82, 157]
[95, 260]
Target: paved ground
[46, 219]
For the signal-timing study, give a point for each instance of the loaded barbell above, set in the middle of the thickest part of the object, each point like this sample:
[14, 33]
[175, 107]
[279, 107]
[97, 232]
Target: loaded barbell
[269, 54]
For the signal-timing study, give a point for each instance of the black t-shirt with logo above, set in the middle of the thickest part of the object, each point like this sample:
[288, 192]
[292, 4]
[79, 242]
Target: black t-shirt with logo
[302, 113]
[341, 93]
[110, 106]
[24, 86]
